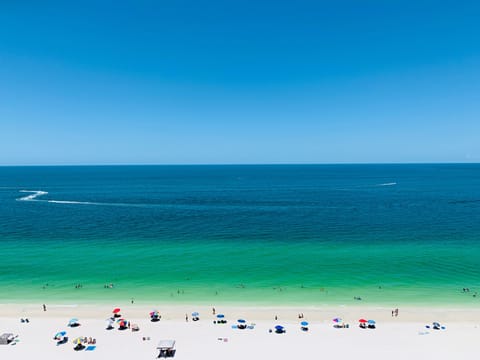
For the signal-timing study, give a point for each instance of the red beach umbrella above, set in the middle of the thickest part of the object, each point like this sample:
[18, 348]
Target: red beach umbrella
[116, 310]
[362, 320]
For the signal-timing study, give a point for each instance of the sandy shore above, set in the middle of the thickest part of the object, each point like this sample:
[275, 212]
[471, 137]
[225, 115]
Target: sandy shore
[399, 337]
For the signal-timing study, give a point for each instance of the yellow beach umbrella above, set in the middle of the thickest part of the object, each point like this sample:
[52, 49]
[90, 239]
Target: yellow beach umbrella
[78, 340]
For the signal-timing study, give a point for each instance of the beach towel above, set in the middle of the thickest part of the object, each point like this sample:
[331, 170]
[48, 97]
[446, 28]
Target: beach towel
[90, 348]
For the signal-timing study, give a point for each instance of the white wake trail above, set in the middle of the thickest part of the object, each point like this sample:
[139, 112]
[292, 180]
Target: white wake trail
[33, 195]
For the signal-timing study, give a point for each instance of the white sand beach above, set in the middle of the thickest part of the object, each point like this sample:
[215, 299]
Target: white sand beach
[399, 337]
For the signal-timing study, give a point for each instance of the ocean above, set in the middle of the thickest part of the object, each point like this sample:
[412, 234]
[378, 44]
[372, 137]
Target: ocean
[241, 234]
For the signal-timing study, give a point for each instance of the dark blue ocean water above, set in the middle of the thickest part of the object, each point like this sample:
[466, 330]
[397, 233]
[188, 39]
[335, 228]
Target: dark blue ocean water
[412, 230]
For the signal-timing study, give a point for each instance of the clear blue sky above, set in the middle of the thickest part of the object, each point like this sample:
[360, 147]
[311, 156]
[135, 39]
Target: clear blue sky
[166, 82]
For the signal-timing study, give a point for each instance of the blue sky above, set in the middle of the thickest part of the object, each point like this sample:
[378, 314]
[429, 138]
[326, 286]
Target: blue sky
[194, 82]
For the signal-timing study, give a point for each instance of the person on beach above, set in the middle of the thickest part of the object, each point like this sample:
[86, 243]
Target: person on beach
[44, 307]
[213, 311]
[186, 317]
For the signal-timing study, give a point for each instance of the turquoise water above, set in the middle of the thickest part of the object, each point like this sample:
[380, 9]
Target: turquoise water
[278, 234]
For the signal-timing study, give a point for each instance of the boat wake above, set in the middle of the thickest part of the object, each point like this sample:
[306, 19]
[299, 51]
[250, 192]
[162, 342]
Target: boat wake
[388, 184]
[75, 202]
[34, 194]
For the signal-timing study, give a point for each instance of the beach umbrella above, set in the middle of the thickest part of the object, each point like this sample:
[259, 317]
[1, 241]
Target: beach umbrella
[241, 321]
[123, 323]
[73, 321]
[304, 323]
[120, 320]
[60, 334]
[78, 340]
[371, 322]
[195, 314]
[154, 313]
[116, 310]
[436, 324]
[279, 329]
[362, 320]
[337, 320]
[220, 316]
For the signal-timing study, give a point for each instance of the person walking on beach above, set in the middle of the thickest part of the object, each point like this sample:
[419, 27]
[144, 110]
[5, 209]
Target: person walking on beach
[213, 311]
[186, 317]
[44, 307]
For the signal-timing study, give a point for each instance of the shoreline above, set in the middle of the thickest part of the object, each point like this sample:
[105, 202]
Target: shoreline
[317, 313]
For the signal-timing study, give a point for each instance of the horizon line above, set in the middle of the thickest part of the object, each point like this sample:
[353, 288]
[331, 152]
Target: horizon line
[244, 164]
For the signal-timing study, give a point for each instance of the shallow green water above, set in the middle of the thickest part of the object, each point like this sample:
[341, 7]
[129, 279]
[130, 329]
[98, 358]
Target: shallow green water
[250, 235]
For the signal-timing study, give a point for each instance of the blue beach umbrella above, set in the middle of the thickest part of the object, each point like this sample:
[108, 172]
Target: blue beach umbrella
[371, 322]
[241, 321]
[279, 327]
[220, 316]
[60, 334]
[195, 313]
[73, 321]
[304, 323]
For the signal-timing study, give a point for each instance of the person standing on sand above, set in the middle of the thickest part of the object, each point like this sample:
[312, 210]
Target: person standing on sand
[186, 317]
[213, 311]
[44, 307]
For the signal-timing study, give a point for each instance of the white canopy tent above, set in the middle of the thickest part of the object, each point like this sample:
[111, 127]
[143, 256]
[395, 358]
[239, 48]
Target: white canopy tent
[166, 344]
